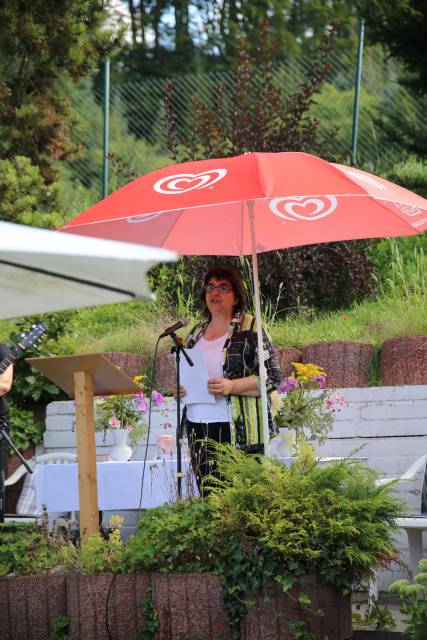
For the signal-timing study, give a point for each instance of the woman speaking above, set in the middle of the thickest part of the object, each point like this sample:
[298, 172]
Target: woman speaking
[228, 340]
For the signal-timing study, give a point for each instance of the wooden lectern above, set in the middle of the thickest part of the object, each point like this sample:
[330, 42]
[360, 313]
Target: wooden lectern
[82, 377]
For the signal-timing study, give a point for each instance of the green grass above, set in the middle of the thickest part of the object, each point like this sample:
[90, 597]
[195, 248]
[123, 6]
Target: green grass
[136, 326]
[133, 326]
[371, 321]
[400, 308]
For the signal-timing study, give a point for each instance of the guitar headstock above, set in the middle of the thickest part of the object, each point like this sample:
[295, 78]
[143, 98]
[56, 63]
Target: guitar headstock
[33, 336]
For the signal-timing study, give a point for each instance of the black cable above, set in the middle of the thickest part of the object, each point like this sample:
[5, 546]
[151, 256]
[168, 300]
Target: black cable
[149, 427]
[106, 606]
[143, 476]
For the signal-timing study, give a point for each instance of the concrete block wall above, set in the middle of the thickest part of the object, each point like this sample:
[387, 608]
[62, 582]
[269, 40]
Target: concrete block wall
[60, 434]
[385, 425]
[388, 427]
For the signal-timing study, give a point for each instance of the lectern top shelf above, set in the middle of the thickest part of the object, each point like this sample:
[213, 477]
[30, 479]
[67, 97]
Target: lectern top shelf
[107, 378]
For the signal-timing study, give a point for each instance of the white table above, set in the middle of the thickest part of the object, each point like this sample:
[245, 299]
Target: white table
[119, 485]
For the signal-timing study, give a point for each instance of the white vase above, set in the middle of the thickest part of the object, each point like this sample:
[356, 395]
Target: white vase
[286, 444]
[121, 450]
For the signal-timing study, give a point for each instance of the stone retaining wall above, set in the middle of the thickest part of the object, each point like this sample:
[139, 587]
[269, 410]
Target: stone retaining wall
[188, 605]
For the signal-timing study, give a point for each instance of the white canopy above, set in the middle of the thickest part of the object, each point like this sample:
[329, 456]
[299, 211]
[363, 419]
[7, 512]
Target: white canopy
[43, 271]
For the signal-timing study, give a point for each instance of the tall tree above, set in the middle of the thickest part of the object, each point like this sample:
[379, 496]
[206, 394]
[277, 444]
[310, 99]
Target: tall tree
[401, 26]
[296, 25]
[198, 35]
[253, 113]
[39, 41]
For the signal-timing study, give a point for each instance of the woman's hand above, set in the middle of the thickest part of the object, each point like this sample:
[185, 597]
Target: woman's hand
[238, 387]
[182, 392]
[220, 386]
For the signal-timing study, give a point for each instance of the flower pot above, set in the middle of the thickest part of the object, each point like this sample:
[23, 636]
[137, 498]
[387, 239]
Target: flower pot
[191, 605]
[285, 447]
[121, 450]
[286, 356]
[188, 605]
[378, 634]
[348, 364]
[28, 605]
[269, 617]
[98, 600]
[404, 361]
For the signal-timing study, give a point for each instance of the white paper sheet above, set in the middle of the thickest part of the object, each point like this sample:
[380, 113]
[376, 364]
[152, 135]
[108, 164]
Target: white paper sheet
[195, 379]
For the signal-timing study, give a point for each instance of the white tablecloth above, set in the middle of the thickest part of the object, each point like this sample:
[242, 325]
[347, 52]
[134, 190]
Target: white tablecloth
[119, 485]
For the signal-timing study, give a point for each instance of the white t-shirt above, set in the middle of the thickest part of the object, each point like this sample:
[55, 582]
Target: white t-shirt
[212, 355]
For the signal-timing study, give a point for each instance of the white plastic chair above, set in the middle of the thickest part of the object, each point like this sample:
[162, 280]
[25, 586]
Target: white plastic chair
[410, 473]
[26, 506]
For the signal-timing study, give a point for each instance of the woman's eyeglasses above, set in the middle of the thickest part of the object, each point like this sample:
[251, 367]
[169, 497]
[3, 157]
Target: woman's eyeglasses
[222, 288]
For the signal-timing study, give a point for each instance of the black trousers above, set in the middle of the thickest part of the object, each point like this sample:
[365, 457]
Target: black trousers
[202, 460]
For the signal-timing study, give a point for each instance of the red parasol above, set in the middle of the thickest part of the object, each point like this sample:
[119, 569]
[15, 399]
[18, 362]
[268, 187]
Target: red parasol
[253, 203]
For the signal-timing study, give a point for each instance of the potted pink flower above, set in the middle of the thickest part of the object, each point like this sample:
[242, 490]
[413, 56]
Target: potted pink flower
[302, 406]
[126, 416]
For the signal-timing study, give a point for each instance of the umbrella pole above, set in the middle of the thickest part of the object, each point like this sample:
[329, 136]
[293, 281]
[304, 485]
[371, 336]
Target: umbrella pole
[262, 370]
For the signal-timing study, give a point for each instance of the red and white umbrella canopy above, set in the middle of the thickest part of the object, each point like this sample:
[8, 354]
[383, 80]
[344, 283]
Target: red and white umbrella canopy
[253, 203]
[200, 207]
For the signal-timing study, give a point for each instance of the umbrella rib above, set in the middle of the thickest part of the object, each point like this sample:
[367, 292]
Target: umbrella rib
[172, 225]
[46, 272]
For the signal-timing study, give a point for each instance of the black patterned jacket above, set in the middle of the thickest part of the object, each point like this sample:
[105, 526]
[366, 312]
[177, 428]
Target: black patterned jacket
[240, 359]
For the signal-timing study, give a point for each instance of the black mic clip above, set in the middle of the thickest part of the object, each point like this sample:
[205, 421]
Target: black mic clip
[179, 347]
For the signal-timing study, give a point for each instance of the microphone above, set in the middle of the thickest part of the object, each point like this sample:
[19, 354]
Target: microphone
[182, 322]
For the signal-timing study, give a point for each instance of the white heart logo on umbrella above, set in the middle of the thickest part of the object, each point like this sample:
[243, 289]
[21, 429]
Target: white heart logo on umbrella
[307, 208]
[184, 182]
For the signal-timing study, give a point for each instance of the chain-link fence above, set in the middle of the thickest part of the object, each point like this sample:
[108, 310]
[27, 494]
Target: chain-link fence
[137, 131]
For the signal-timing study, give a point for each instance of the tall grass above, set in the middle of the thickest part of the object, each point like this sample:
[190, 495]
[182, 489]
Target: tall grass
[400, 308]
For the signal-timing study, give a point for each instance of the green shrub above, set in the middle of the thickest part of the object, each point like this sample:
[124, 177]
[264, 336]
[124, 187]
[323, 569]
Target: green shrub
[411, 174]
[26, 549]
[326, 276]
[264, 523]
[413, 601]
[26, 198]
[178, 537]
[24, 428]
[332, 520]
[60, 628]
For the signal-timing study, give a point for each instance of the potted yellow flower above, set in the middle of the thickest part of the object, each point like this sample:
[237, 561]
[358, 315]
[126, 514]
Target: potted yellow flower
[302, 407]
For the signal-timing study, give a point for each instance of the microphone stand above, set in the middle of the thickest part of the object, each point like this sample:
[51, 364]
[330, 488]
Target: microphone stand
[177, 349]
[4, 438]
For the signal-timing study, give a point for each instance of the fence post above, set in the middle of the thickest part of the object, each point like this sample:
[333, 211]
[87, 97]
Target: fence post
[357, 92]
[105, 164]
